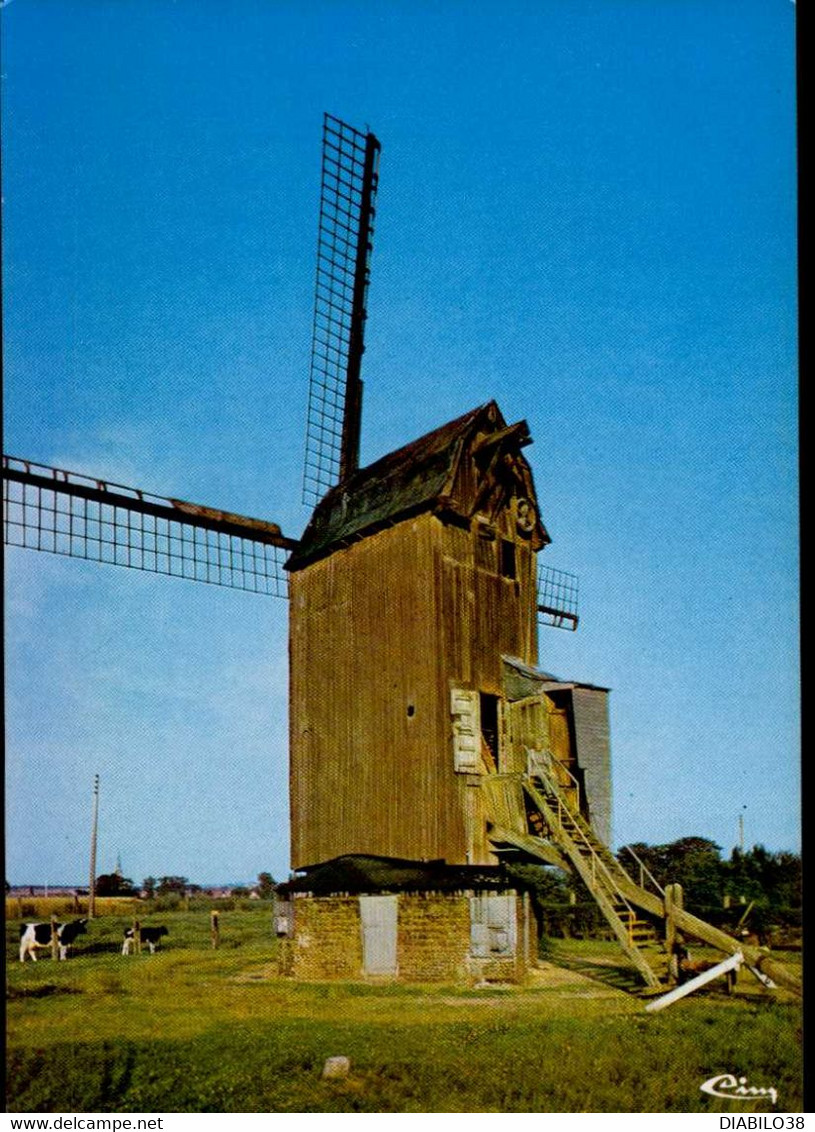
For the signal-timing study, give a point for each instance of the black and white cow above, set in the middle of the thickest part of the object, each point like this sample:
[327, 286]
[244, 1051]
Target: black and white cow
[33, 936]
[150, 936]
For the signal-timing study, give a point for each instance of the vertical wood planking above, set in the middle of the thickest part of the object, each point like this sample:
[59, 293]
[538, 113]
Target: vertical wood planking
[380, 632]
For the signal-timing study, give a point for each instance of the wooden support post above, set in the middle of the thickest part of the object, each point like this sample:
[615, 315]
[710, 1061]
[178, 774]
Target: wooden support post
[94, 829]
[673, 900]
[745, 914]
[216, 931]
[136, 935]
[54, 938]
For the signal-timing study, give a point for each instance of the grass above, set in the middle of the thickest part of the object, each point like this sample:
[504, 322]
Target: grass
[195, 1030]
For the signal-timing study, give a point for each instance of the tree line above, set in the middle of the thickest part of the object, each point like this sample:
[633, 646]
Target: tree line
[753, 890]
[114, 884]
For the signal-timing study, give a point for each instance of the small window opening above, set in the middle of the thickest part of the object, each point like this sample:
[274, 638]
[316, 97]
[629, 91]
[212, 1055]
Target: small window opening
[485, 550]
[489, 724]
[411, 710]
[507, 558]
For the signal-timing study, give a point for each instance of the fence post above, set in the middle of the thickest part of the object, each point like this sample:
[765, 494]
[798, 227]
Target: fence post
[673, 899]
[216, 931]
[54, 938]
[136, 935]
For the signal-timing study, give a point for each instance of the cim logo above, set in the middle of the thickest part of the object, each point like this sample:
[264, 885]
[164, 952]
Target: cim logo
[731, 1088]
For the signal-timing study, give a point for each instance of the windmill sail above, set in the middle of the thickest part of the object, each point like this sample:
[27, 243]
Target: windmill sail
[67, 513]
[344, 245]
[557, 598]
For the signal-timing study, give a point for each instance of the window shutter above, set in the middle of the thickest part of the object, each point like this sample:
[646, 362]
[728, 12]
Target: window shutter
[492, 926]
[466, 730]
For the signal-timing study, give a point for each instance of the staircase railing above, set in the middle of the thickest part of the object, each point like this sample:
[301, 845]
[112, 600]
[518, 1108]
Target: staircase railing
[645, 872]
[596, 862]
[622, 890]
[591, 868]
[551, 784]
[535, 757]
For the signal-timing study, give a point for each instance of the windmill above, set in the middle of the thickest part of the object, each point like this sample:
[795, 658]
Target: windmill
[425, 742]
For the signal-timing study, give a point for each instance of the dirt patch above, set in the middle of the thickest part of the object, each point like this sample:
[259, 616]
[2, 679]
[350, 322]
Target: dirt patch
[44, 990]
[551, 976]
[546, 976]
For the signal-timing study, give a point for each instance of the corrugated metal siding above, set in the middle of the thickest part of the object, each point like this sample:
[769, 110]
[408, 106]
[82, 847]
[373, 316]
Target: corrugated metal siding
[592, 733]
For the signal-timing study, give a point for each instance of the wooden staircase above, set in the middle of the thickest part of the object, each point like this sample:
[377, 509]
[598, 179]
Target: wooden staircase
[554, 819]
[561, 835]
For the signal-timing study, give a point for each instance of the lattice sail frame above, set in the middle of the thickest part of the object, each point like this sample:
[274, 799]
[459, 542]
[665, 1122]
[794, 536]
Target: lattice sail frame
[344, 245]
[557, 598]
[66, 513]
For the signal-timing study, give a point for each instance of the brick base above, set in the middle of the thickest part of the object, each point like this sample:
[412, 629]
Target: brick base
[432, 941]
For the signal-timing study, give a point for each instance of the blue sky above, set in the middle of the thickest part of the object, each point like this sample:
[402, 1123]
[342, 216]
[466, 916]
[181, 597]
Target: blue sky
[586, 211]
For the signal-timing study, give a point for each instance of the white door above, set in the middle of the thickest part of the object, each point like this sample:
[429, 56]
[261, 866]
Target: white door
[493, 926]
[378, 919]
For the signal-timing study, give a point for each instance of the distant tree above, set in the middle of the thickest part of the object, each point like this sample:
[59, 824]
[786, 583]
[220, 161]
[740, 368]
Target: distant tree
[693, 862]
[769, 884]
[113, 884]
[8, 888]
[149, 887]
[266, 885]
[548, 885]
[697, 865]
[167, 885]
[240, 890]
[551, 899]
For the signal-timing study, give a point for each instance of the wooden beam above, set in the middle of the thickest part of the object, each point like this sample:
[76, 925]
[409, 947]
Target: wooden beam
[518, 433]
[732, 963]
[141, 502]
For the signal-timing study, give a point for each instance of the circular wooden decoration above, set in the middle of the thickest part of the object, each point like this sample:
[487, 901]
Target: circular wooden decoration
[525, 517]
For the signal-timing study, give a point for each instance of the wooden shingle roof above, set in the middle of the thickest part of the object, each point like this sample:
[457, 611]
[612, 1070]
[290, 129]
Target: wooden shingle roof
[420, 476]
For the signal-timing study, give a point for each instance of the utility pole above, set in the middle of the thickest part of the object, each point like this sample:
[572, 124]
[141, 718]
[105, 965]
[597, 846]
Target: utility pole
[741, 829]
[92, 887]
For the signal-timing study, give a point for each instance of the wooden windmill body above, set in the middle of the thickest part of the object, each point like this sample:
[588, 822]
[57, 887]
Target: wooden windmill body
[413, 589]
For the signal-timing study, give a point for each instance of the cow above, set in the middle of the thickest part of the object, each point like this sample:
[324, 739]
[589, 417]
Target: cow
[150, 936]
[33, 936]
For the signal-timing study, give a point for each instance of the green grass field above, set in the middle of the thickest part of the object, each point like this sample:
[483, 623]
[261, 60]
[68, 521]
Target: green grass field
[193, 1029]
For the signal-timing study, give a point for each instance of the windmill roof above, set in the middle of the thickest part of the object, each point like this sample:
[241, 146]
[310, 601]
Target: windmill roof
[414, 478]
[546, 681]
